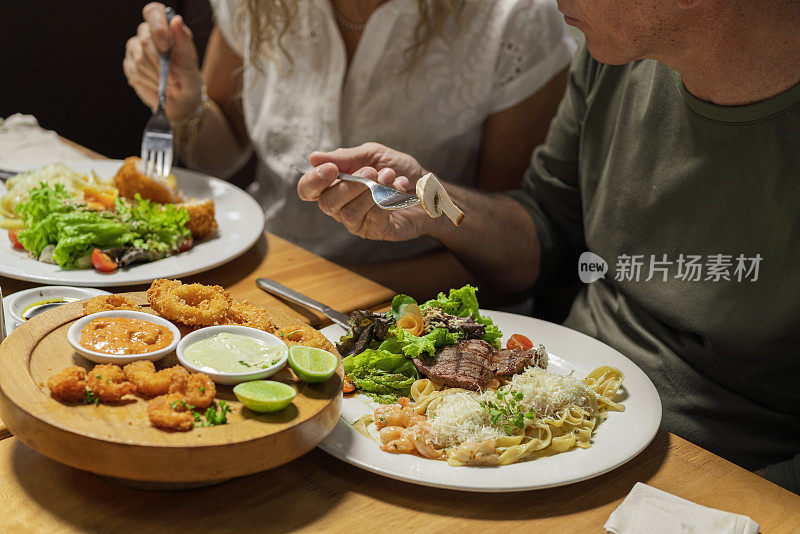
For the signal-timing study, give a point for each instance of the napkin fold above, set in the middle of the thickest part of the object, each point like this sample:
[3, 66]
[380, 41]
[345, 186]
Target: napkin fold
[25, 145]
[652, 511]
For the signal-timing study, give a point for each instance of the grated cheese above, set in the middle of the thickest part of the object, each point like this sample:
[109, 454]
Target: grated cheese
[460, 417]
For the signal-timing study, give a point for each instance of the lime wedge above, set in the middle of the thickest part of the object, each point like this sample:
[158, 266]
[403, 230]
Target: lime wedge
[312, 365]
[264, 395]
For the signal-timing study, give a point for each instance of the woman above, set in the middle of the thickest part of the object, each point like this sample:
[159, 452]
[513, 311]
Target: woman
[454, 82]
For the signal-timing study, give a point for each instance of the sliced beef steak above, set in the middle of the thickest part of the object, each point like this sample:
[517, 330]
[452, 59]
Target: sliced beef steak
[511, 361]
[474, 364]
[465, 364]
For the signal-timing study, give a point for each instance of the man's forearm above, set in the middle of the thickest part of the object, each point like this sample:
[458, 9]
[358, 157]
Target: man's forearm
[497, 241]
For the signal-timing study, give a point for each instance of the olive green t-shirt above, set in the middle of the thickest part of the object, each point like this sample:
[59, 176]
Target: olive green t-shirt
[696, 209]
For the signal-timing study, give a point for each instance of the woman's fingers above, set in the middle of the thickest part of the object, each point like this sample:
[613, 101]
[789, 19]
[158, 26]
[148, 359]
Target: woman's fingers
[155, 15]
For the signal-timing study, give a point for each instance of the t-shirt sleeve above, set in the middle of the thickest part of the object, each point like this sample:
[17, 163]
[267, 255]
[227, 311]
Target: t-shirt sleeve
[535, 46]
[786, 474]
[551, 185]
[231, 23]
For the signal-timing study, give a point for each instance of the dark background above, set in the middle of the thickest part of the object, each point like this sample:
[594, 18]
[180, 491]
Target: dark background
[62, 62]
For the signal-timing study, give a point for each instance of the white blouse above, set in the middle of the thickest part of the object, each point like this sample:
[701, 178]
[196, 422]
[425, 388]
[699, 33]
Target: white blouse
[503, 52]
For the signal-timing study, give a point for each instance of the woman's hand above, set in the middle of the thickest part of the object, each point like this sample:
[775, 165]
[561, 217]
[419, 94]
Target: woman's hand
[154, 35]
[351, 204]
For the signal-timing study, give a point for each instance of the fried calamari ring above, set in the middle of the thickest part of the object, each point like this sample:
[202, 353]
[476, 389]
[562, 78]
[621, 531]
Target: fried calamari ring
[108, 383]
[198, 389]
[171, 412]
[305, 335]
[149, 382]
[245, 313]
[193, 304]
[109, 303]
[68, 385]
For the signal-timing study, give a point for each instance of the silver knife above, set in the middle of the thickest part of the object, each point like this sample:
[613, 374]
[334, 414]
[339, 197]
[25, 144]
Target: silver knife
[271, 286]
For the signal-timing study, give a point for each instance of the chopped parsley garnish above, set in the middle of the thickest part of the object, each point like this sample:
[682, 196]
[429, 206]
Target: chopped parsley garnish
[174, 405]
[244, 363]
[90, 398]
[216, 415]
[506, 412]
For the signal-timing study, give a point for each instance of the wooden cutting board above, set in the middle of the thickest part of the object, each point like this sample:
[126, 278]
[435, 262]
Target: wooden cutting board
[118, 441]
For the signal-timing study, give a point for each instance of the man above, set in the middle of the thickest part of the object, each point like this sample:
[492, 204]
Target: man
[682, 171]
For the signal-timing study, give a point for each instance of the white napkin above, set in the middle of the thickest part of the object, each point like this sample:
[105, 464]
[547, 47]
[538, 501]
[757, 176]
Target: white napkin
[25, 145]
[652, 511]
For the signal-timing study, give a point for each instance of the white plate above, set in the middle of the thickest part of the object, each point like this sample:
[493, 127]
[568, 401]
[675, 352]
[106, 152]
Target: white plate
[618, 439]
[239, 217]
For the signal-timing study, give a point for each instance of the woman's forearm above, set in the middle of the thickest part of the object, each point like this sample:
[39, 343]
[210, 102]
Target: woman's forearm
[213, 147]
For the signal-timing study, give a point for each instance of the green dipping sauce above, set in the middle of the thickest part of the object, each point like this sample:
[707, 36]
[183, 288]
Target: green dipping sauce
[233, 353]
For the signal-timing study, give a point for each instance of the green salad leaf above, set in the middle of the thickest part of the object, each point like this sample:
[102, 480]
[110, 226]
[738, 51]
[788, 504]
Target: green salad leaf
[399, 303]
[381, 374]
[412, 346]
[463, 302]
[52, 218]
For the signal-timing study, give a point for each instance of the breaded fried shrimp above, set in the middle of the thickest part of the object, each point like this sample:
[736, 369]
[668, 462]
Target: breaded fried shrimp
[68, 385]
[171, 412]
[150, 383]
[198, 389]
[108, 383]
[109, 303]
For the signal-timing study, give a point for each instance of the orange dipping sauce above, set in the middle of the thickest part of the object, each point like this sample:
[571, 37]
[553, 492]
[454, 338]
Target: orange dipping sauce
[120, 336]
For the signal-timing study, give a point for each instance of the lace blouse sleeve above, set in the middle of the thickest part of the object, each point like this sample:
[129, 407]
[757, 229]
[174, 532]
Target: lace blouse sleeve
[534, 47]
[231, 23]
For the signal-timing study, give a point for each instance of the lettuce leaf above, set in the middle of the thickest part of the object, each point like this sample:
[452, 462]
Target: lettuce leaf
[401, 341]
[381, 374]
[399, 303]
[462, 303]
[51, 218]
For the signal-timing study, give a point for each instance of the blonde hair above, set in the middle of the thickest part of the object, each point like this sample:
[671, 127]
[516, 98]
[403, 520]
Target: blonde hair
[270, 20]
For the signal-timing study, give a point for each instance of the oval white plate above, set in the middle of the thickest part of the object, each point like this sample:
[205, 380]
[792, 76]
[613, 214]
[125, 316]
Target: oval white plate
[239, 217]
[74, 337]
[618, 439]
[231, 379]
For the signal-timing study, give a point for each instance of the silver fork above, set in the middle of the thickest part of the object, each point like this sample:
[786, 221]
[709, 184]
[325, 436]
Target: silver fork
[384, 197]
[157, 137]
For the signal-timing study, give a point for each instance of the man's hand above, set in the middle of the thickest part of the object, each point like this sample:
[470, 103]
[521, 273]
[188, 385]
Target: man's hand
[351, 204]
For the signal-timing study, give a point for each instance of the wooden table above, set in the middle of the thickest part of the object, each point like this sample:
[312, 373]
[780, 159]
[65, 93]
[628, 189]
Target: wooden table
[318, 492]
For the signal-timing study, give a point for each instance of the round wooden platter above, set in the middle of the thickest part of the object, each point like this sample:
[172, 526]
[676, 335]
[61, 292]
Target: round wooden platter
[118, 440]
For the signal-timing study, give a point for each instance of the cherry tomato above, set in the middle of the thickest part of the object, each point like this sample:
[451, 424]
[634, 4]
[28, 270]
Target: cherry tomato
[518, 341]
[12, 236]
[102, 261]
[186, 245]
[348, 386]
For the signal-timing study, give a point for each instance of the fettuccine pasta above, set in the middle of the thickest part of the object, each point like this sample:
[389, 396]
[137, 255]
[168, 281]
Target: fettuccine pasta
[536, 413]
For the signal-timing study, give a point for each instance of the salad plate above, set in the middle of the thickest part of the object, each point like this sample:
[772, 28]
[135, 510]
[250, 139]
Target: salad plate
[239, 217]
[618, 439]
